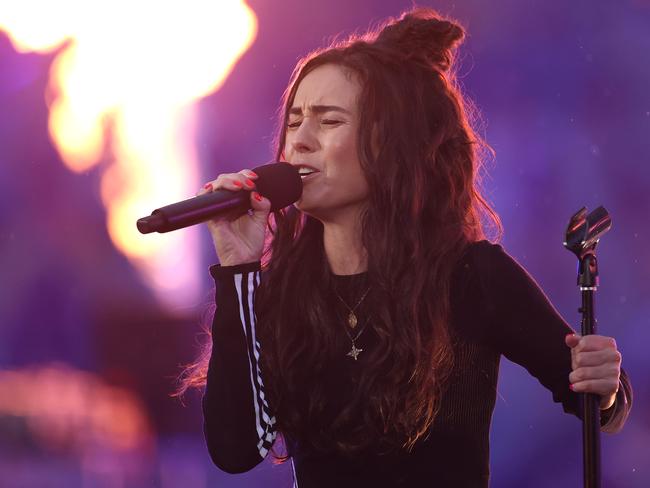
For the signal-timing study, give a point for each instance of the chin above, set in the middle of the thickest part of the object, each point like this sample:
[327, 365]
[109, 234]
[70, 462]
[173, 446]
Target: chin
[313, 207]
[306, 209]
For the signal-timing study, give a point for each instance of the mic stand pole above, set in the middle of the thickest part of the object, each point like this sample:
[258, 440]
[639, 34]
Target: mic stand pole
[581, 237]
[588, 282]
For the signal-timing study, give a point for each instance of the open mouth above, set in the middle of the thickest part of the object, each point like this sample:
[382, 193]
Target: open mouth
[306, 172]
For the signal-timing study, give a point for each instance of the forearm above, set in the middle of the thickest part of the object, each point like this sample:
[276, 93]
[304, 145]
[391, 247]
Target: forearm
[239, 427]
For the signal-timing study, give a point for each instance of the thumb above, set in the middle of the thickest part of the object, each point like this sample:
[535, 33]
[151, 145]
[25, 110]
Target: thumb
[572, 340]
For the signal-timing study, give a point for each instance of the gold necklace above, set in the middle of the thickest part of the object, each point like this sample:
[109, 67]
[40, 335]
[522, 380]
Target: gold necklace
[352, 323]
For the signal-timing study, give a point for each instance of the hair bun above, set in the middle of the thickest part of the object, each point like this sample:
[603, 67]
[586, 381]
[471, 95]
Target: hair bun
[423, 34]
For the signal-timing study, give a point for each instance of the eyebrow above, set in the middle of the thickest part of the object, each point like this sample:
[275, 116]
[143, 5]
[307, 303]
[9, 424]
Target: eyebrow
[319, 109]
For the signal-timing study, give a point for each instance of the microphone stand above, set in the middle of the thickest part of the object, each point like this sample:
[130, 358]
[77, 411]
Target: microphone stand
[581, 237]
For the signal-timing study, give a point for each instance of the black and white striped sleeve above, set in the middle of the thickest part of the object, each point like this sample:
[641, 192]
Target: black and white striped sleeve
[238, 423]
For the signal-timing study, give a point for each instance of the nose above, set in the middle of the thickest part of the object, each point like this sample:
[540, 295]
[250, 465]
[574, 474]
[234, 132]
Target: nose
[303, 139]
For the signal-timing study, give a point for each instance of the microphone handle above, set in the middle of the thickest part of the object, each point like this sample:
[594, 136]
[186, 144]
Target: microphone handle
[194, 211]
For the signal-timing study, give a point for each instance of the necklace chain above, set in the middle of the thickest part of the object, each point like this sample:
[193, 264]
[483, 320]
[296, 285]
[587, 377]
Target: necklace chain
[352, 323]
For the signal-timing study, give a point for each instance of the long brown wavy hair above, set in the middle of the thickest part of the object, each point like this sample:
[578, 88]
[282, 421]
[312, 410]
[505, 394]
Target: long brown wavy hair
[421, 158]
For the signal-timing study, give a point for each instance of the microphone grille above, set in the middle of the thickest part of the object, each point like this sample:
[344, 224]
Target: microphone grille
[280, 183]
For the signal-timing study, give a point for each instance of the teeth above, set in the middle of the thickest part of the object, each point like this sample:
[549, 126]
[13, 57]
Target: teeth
[306, 171]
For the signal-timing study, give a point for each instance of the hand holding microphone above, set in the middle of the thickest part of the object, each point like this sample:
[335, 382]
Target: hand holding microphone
[236, 207]
[239, 240]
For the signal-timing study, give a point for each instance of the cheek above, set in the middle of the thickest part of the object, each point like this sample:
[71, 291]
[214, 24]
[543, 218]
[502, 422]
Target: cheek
[347, 171]
[343, 151]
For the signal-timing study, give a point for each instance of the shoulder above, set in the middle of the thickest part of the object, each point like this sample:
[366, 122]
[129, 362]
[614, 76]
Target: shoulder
[482, 250]
[488, 258]
[477, 263]
[500, 280]
[490, 271]
[471, 280]
[482, 257]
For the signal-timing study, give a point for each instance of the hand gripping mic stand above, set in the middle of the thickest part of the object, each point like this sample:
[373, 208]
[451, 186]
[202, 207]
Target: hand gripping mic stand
[581, 237]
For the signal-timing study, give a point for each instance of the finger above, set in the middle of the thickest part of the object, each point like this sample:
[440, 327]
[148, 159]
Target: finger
[233, 182]
[586, 373]
[206, 189]
[572, 339]
[603, 387]
[242, 179]
[595, 342]
[260, 204]
[595, 358]
[248, 173]
[228, 181]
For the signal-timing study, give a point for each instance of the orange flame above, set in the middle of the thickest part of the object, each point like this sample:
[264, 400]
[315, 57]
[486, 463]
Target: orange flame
[126, 83]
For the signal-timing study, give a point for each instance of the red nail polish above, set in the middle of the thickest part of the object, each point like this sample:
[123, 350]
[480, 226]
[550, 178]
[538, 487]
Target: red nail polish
[249, 183]
[252, 174]
[237, 184]
[207, 186]
[257, 197]
[571, 386]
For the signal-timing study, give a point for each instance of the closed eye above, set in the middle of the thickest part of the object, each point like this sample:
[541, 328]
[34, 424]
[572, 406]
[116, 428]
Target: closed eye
[296, 124]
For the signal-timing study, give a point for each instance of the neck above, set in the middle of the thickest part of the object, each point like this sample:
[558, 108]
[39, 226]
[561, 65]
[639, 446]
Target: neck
[343, 247]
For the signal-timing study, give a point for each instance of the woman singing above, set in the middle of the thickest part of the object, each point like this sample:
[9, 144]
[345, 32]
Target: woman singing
[365, 323]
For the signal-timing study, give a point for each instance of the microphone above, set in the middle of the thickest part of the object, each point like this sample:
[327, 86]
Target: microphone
[279, 182]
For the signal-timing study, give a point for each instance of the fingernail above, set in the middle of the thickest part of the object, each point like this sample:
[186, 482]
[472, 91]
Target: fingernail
[257, 196]
[569, 335]
[571, 386]
[252, 174]
[237, 184]
[249, 183]
[207, 186]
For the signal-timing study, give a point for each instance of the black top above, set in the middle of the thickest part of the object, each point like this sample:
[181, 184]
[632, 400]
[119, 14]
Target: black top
[496, 308]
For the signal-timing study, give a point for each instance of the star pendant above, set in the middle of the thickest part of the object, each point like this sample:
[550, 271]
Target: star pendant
[354, 352]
